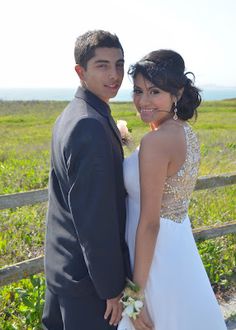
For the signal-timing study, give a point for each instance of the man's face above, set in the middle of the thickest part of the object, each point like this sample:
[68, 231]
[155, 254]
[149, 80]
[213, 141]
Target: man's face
[104, 73]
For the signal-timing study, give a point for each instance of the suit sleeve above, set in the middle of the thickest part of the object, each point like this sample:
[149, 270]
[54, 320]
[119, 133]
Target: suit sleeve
[93, 206]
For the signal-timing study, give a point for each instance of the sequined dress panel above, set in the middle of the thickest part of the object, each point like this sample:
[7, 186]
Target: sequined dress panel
[179, 187]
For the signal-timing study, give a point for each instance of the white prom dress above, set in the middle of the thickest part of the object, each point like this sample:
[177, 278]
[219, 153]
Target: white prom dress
[178, 293]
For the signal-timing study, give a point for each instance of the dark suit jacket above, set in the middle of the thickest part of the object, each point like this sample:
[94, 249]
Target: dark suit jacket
[85, 243]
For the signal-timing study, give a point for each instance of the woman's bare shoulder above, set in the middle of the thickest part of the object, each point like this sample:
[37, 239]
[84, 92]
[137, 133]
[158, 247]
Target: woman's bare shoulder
[158, 139]
[153, 148]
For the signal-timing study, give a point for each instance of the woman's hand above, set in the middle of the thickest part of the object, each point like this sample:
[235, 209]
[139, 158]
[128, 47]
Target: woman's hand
[143, 321]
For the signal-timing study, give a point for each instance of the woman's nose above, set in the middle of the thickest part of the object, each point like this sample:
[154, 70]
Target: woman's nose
[144, 100]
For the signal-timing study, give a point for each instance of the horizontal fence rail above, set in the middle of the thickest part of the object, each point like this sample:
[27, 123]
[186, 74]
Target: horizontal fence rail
[21, 270]
[210, 181]
[204, 233]
[24, 198]
[24, 269]
[29, 267]
[39, 196]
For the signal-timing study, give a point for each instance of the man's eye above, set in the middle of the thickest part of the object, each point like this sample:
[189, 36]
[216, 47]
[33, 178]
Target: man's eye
[102, 66]
[137, 91]
[120, 65]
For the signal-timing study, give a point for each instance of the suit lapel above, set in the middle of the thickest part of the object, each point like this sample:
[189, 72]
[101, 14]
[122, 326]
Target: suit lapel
[101, 107]
[116, 132]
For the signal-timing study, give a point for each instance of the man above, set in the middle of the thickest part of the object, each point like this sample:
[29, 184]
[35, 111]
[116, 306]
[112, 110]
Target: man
[86, 259]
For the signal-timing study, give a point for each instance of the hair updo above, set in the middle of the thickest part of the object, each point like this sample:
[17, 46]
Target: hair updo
[166, 70]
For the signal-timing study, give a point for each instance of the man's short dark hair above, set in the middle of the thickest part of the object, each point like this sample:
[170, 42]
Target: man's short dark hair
[87, 43]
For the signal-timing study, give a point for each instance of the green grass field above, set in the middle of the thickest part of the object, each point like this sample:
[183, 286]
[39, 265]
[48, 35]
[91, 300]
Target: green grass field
[25, 130]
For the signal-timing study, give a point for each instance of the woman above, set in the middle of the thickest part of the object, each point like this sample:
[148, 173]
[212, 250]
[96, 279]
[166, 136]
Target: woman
[159, 179]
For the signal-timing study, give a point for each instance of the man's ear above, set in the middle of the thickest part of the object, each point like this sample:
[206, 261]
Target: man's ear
[80, 71]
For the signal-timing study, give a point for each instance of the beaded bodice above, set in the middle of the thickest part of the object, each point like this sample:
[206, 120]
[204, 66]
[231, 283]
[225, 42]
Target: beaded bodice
[179, 187]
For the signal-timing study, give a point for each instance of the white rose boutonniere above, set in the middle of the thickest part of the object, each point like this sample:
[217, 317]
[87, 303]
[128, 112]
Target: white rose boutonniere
[124, 131]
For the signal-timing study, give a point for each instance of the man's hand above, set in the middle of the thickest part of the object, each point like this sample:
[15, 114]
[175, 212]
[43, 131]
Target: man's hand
[114, 310]
[143, 321]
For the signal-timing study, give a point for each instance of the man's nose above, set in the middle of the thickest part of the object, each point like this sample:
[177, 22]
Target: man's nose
[113, 73]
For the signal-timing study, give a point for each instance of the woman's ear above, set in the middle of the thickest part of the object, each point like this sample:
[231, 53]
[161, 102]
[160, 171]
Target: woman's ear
[80, 71]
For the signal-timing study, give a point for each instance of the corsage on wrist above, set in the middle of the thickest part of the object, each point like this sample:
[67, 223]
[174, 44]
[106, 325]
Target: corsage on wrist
[132, 300]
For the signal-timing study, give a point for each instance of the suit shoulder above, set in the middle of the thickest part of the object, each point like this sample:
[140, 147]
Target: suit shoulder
[77, 111]
[80, 108]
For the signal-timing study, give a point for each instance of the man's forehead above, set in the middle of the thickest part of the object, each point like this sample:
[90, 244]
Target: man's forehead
[106, 54]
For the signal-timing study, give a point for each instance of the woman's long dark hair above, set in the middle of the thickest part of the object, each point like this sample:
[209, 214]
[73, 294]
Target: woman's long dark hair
[166, 70]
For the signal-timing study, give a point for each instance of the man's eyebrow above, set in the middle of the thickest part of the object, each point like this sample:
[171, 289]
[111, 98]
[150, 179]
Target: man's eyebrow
[101, 61]
[106, 61]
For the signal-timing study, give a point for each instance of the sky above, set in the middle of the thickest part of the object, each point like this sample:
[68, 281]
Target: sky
[37, 37]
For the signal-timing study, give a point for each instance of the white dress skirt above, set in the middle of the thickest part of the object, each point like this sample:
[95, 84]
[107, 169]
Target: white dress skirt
[178, 293]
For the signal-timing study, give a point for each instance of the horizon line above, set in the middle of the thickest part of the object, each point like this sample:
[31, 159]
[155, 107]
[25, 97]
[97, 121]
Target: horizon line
[122, 88]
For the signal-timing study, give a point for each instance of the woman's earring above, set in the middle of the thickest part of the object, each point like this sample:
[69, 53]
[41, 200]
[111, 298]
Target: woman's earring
[175, 117]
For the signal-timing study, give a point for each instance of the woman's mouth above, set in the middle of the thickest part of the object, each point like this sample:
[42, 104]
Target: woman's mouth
[146, 111]
[146, 114]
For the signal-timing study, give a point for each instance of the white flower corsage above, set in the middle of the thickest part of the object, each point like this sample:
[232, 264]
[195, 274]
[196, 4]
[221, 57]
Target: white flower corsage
[132, 300]
[124, 131]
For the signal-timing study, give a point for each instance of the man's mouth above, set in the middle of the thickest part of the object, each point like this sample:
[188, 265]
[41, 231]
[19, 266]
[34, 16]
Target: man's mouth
[112, 86]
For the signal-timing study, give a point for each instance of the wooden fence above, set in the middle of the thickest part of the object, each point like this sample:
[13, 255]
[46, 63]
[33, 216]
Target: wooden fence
[24, 269]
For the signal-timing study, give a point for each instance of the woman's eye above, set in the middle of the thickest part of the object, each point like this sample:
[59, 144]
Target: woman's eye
[154, 91]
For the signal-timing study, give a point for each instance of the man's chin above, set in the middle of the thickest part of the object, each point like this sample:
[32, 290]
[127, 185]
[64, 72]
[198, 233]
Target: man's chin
[110, 95]
[114, 94]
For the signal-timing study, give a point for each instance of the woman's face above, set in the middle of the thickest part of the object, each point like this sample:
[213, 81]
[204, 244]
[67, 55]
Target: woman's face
[153, 104]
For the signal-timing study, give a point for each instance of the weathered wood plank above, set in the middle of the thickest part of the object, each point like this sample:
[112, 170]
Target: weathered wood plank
[26, 268]
[213, 181]
[24, 198]
[214, 231]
